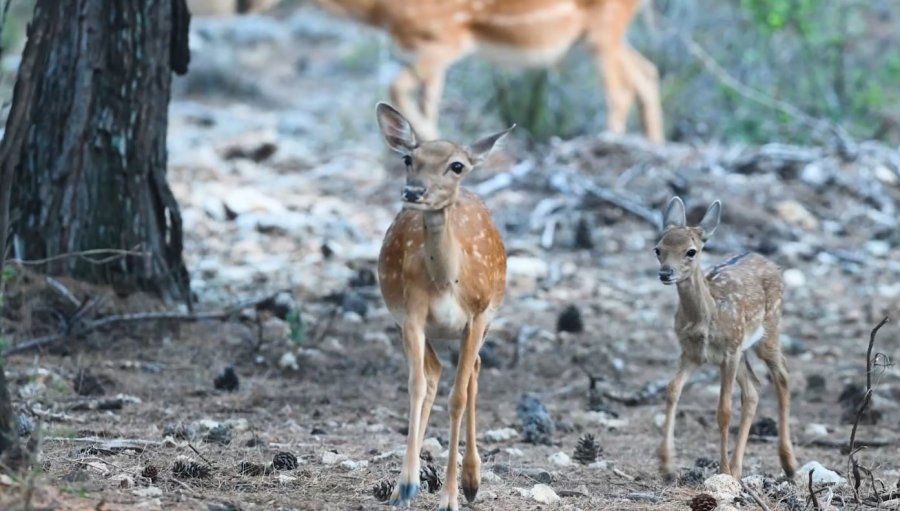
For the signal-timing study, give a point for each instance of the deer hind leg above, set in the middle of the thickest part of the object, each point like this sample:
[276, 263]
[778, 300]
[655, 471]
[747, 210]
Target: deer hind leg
[471, 475]
[607, 35]
[673, 394]
[414, 344]
[749, 385]
[425, 78]
[433, 370]
[770, 353]
[468, 352]
[730, 365]
[644, 78]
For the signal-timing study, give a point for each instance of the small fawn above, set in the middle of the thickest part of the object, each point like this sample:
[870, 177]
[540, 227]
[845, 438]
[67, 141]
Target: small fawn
[722, 315]
[442, 271]
[524, 33]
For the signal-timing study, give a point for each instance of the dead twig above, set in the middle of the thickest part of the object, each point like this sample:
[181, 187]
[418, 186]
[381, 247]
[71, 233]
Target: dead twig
[201, 456]
[85, 255]
[79, 327]
[762, 505]
[812, 493]
[852, 463]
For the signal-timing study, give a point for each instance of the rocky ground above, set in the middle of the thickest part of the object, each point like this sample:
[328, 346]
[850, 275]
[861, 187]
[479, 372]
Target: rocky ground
[285, 184]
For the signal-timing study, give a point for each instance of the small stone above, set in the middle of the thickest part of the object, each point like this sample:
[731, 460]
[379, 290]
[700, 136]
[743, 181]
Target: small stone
[544, 494]
[560, 459]
[500, 435]
[764, 427]
[124, 480]
[220, 434]
[794, 278]
[288, 361]
[816, 430]
[537, 425]
[354, 465]
[723, 487]
[528, 267]
[148, 492]
[24, 425]
[795, 213]
[514, 452]
[432, 444]
[332, 458]
[821, 475]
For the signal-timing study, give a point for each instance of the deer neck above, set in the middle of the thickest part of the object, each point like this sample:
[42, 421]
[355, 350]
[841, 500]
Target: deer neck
[441, 248]
[695, 300]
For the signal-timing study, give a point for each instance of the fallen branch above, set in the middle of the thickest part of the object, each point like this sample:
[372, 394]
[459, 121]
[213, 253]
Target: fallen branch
[653, 217]
[80, 327]
[762, 505]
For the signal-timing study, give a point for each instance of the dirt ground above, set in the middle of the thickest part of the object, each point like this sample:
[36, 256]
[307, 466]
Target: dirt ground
[284, 184]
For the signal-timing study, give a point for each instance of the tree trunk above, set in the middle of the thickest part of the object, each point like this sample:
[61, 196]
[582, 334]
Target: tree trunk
[92, 172]
[93, 163]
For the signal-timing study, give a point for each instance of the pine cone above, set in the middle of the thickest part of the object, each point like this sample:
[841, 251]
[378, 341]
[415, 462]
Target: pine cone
[284, 461]
[429, 478]
[189, 469]
[587, 450]
[703, 502]
[151, 472]
[383, 490]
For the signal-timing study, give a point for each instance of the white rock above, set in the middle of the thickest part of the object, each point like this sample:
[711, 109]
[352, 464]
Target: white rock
[432, 444]
[354, 465]
[490, 477]
[332, 458]
[285, 479]
[821, 475]
[814, 429]
[500, 435]
[723, 487]
[244, 200]
[885, 175]
[599, 465]
[522, 266]
[560, 459]
[794, 278]
[288, 361]
[148, 492]
[660, 420]
[544, 494]
[333, 345]
[514, 452]
[600, 419]
[878, 248]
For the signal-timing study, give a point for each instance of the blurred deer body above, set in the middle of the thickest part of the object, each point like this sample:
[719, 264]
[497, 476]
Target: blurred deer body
[228, 7]
[442, 272]
[522, 33]
[734, 308]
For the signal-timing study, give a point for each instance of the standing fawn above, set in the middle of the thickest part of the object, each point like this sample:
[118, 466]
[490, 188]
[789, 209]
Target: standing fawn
[524, 33]
[442, 271]
[721, 315]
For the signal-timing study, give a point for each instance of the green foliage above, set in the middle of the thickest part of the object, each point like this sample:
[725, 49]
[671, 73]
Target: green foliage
[776, 15]
[297, 327]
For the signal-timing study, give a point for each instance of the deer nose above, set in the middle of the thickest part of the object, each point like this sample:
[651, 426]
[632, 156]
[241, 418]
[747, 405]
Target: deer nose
[413, 193]
[665, 274]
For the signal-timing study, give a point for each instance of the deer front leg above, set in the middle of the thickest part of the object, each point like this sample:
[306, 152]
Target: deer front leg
[468, 352]
[414, 345]
[749, 385]
[673, 394]
[471, 476]
[730, 365]
[433, 370]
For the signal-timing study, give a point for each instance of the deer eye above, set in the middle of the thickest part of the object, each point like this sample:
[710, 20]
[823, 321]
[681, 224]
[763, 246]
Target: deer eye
[407, 160]
[691, 253]
[457, 167]
[656, 251]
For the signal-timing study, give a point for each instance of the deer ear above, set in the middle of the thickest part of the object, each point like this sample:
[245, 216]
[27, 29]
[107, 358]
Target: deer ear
[397, 131]
[674, 215]
[483, 147]
[710, 220]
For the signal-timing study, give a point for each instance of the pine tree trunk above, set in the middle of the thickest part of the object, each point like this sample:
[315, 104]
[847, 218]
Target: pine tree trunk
[88, 125]
[92, 171]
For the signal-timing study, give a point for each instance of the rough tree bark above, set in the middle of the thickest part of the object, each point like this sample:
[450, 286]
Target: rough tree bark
[92, 171]
[88, 125]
